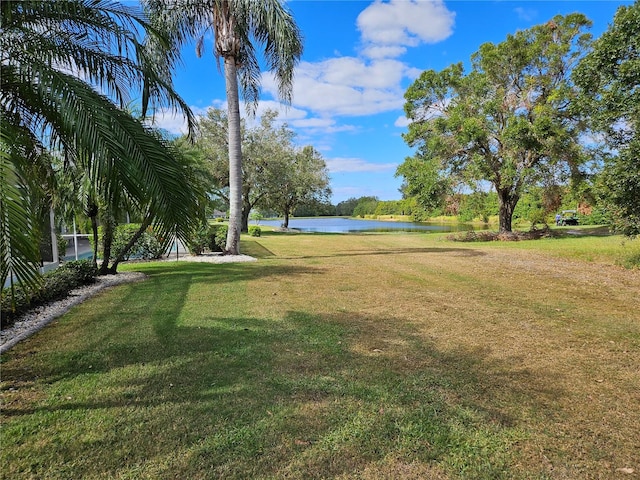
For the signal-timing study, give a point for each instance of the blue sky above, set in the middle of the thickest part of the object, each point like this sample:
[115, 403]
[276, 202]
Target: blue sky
[359, 58]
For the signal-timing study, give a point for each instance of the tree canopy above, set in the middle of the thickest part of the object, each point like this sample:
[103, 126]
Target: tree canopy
[609, 79]
[276, 175]
[237, 27]
[301, 178]
[507, 121]
[68, 71]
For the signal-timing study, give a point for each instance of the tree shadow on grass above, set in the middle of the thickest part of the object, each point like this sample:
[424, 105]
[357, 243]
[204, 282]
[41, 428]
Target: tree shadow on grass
[465, 252]
[304, 397]
[145, 310]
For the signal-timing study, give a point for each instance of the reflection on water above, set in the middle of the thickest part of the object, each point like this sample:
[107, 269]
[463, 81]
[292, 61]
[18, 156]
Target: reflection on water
[352, 225]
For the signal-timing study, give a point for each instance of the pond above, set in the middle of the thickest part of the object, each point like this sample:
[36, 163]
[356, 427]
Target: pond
[354, 225]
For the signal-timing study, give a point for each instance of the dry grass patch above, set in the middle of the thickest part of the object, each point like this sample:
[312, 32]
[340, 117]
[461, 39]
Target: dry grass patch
[339, 356]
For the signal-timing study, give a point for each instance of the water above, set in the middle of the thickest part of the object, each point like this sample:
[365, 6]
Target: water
[352, 225]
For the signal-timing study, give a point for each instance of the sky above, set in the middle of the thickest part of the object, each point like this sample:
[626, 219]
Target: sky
[359, 58]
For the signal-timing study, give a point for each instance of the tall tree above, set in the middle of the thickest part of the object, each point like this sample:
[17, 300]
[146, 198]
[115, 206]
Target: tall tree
[609, 78]
[268, 158]
[236, 26]
[302, 178]
[68, 71]
[508, 120]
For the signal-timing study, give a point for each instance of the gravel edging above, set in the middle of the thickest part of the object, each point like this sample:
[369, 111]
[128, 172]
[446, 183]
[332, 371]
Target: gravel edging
[37, 318]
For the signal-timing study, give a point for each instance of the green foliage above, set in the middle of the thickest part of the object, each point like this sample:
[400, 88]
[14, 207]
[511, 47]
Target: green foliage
[530, 208]
[609, 99]
[217, 237]
[315, 208]
[210, 237]
[301, 177]
[84, 270]
[598, 216]
[506, 122]
[147, 247]
[255, 231]
[478, 205]
[56, 285]
[346, 207]
[424, 181]
[198, 241]
[365, 206]
[394, 207]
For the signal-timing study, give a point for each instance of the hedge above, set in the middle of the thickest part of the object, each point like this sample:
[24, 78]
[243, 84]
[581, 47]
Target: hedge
[56, 285]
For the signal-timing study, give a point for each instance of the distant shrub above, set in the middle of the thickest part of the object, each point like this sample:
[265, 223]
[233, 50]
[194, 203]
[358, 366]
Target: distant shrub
[255, 231]
[56, 284]
[597, 217]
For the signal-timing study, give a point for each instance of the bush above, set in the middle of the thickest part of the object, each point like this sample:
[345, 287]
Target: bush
[62, 245]
[255, 231]
[208, 237]
[84, 270]
[147, 247]
[218, 237]
[56, 284]
[199, 241]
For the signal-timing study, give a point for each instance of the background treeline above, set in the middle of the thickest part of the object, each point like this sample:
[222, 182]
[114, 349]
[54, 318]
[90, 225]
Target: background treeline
[538, 206]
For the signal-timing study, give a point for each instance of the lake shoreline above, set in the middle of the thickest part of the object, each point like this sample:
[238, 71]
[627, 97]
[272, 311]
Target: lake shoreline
[342, 224]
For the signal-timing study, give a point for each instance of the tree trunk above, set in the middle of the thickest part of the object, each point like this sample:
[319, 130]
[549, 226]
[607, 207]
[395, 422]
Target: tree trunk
[245, 219]
[145, 223]
[285, 224]
[108, 228]
[507, 202]
[92, 213]
[235, 158]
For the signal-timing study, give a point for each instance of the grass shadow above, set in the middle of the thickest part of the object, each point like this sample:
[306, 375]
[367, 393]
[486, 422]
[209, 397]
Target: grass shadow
[305, 397]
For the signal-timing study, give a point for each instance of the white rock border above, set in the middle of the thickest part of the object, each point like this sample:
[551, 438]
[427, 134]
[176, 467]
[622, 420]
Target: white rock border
[37, 318]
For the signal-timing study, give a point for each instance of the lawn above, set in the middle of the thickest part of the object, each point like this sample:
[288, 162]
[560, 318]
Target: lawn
[341, 356]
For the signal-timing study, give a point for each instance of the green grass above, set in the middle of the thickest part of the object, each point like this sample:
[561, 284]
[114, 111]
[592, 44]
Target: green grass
[340, 356]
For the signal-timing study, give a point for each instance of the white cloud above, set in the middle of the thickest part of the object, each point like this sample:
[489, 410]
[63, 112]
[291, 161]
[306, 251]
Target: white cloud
[404, 23]
[346, 86]
[401, 122]
[172, 121]
[351, 165]
[374, 82]
[526, 14]
[383, 51]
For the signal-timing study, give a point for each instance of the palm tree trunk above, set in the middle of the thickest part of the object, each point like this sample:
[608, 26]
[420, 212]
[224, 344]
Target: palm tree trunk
[235, 158]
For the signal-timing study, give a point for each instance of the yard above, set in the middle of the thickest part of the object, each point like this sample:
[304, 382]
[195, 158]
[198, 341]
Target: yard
[341, 356]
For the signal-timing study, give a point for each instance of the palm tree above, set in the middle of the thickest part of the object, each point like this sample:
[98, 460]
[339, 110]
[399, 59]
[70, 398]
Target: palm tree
[68, 70]
[236, 25]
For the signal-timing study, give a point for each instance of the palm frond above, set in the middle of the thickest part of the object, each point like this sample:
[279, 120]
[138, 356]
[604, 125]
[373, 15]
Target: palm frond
[19, 239]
